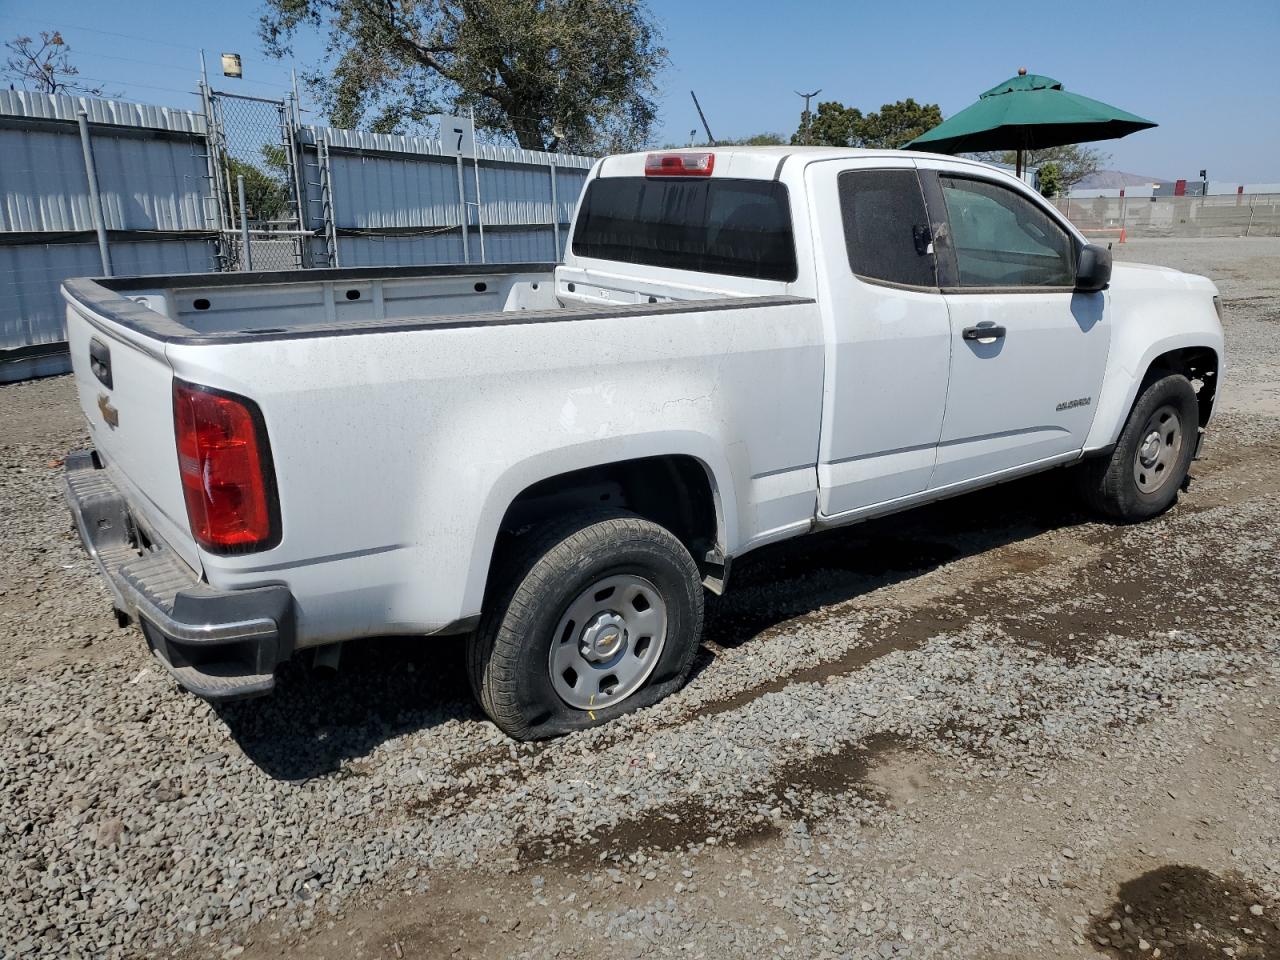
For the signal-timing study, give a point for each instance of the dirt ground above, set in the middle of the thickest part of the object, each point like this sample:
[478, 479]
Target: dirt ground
[989, 728]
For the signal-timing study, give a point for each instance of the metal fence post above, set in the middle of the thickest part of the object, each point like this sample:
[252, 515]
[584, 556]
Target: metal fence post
[555, 208]
[95, 198]
[462, 209]
[327, 208]
[290, 124]
[211, 160]
[246, 261]
[479, 210]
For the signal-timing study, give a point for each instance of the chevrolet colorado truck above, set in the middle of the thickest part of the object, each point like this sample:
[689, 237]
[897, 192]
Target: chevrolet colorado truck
[741, 345]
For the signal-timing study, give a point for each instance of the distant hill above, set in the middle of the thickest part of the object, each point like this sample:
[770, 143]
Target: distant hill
[1110, 179]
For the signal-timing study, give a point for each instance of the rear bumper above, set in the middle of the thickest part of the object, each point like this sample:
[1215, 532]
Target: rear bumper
[220, 645]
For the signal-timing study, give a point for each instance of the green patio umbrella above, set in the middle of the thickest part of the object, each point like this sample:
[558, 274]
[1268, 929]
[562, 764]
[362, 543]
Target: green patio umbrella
[1028, 112]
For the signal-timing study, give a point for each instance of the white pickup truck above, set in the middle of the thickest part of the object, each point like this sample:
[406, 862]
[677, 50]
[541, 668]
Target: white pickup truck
[741, 345]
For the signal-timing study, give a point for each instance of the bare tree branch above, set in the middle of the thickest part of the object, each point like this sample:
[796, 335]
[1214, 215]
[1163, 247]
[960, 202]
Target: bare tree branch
[46, 67]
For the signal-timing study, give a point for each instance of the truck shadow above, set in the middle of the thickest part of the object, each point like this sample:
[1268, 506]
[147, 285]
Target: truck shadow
[783, 581]
[384, 688]
[317, 718]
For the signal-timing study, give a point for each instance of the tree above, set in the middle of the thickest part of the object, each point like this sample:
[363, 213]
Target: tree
[832, 126]
[1073, 161]
[758, 140]
[45, 66]
[266, 195]
[1050, 180]
[755, 140]
[893, 126]
[579, 74]
[897, 124]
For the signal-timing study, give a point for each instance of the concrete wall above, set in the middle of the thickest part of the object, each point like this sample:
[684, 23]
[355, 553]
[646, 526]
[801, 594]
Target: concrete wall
[1227, 215]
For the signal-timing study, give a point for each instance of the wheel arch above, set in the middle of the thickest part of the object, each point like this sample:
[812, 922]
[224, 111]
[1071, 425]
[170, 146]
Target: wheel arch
[679, 482]
[1194, 355]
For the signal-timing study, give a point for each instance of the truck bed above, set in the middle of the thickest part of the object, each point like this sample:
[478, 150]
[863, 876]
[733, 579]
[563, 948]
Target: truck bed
[402, 420]
[203, 307]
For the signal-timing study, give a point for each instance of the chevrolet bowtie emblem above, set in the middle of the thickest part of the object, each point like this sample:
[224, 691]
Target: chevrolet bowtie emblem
[109, 413]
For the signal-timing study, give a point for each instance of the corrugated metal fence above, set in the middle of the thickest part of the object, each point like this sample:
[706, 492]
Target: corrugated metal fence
[153, 197]
[394, 200]
[368, 200]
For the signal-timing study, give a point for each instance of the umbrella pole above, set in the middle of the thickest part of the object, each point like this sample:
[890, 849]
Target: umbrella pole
[1019, 164]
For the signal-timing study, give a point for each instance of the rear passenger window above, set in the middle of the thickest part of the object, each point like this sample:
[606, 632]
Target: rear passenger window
[1002, 239]
[886, 228]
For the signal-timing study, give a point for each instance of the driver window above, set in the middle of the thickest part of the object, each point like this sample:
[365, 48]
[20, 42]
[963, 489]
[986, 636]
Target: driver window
[1002, 239]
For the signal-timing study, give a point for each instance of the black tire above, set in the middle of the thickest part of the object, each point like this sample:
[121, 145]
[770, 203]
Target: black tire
[1110, 485]
[542, 574]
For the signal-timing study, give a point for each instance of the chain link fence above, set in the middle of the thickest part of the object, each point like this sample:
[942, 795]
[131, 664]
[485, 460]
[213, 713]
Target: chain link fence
[1222, 215]
[258, 191]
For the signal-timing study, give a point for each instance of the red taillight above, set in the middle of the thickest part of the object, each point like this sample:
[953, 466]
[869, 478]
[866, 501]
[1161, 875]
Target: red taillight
[679, 164]
[226, 471]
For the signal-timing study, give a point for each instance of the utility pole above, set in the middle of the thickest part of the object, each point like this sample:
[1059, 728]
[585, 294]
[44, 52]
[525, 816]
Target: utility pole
[804, 137]
[711, 141]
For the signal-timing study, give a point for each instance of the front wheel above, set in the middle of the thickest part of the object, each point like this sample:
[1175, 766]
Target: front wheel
[1147, 468]
[598, 615]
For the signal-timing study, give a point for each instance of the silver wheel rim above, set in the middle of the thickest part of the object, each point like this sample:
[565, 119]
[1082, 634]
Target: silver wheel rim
[608, 642]
[1159, 447]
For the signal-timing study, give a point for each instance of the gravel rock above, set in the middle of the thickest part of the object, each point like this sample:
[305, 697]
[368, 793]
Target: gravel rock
[919, 737]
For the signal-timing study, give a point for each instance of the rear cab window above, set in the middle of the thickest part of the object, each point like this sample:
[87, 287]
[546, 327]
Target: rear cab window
[886, 227]
[719, 225]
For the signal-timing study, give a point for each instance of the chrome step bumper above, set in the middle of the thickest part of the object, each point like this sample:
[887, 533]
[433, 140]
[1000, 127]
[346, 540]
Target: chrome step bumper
[220, 645]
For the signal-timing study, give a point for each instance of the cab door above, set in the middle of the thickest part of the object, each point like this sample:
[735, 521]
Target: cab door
[1027, 351]
[888, 337]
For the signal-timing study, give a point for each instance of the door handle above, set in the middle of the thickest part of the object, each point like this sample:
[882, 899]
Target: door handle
[981, 334]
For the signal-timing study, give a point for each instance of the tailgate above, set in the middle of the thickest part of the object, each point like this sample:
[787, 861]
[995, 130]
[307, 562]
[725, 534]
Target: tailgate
[125, 387]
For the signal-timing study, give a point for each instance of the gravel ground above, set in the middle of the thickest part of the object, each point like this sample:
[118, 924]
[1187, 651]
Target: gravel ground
[938, 735]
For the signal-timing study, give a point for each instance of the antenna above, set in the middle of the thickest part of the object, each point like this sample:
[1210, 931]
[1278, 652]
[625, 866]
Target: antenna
[807, 97]
[701, 116]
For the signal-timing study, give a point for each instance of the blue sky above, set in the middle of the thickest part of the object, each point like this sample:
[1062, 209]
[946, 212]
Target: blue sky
[1206, 72]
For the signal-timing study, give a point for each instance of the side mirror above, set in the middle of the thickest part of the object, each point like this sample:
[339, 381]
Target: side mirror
[1093, 268]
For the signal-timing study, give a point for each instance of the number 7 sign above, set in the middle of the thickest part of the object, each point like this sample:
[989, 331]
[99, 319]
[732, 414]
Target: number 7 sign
[457, 137]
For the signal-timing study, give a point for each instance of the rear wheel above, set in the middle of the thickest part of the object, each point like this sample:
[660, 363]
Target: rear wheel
[1149, 464]
[598, 615]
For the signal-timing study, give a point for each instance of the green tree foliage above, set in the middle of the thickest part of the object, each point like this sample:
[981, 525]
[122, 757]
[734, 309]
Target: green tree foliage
[897, 124]
[892, 126]
[1050, 180]
[1074, 161]
[273, 155]
[45, 65]
[757, 140]
[266, 195]
[833, 125]
[574, 73]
